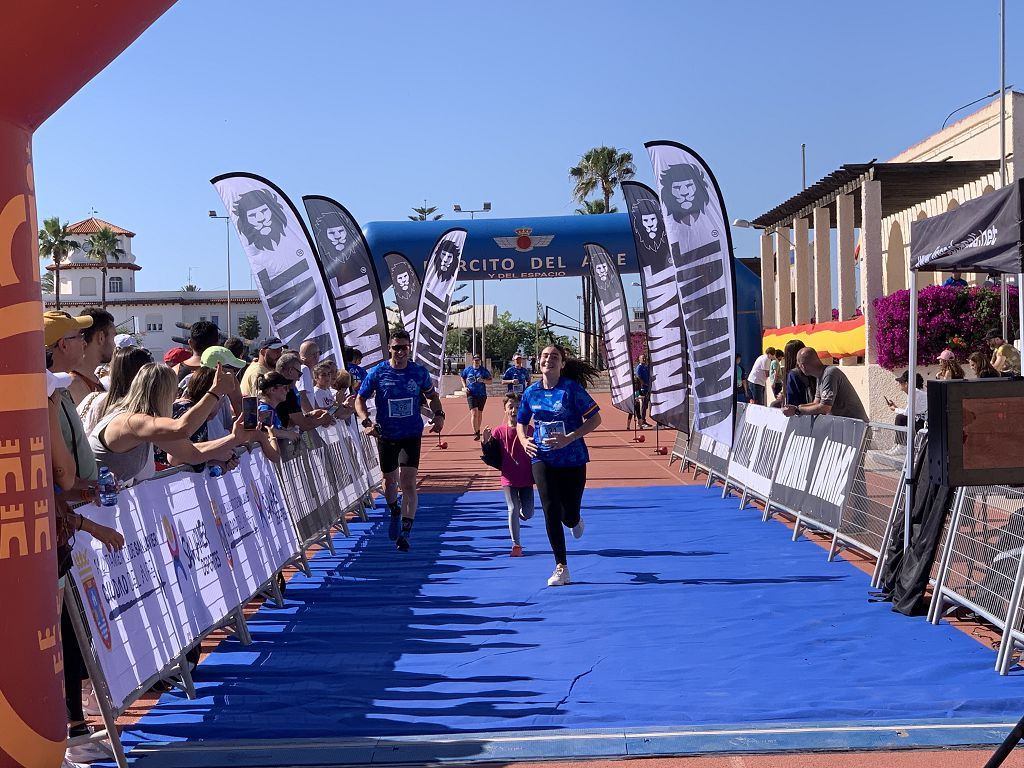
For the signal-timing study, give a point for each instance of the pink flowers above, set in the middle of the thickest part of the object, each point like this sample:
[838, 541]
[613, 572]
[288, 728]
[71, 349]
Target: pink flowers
[953, 317]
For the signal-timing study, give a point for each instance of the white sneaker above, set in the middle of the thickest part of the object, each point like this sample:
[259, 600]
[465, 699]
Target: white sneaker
[560, 577]
[66, 763]
[89, 752]
[90, 703]
[577, 530]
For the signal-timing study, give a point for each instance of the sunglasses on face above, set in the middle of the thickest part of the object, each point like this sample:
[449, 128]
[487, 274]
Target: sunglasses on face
[400, 348]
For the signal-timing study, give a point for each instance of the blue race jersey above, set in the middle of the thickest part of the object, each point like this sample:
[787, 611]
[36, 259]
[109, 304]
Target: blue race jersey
[476, 380]
[397, 393]
[521, 376]
[643, 373]
[561, 409]
[358, 374]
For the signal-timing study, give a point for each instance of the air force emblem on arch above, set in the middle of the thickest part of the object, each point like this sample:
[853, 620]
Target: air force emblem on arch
[524, 241]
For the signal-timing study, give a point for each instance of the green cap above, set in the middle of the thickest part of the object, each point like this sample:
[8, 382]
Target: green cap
[222, 355]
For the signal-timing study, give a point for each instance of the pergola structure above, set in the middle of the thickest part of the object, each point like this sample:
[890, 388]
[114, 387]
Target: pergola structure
[855, 196]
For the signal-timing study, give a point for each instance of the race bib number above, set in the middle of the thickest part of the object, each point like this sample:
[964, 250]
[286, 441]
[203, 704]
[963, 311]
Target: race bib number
[400, 408]
[517, 388]
[545, 429]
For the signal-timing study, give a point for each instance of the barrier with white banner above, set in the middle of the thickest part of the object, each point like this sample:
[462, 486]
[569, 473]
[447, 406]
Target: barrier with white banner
[755, 451]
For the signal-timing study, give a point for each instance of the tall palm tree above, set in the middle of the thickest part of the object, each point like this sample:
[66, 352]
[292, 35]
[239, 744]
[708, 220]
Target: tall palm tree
[103, 248]
[595, 206]
[55, 243]
[600, 168]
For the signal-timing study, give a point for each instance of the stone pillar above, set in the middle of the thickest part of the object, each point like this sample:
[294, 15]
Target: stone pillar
[784, 295]
[767, 282]
[845, 268]
[871, 261]
[822, 266]
[802, 271]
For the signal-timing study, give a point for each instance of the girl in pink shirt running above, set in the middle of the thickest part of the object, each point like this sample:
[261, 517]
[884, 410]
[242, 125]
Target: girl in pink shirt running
[516, 472]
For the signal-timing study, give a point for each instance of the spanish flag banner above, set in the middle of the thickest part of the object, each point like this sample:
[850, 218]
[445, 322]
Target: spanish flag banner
[840, 338]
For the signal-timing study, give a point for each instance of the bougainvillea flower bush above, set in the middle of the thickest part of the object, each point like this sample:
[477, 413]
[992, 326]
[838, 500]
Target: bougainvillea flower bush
[948, 317]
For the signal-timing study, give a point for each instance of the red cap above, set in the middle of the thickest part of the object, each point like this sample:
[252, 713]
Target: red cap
[177, 355]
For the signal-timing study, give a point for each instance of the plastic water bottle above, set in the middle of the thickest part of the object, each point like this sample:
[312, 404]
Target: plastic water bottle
[216, 470]
[106, 488]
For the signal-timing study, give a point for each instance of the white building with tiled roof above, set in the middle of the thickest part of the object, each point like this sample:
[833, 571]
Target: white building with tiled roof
[152, 316]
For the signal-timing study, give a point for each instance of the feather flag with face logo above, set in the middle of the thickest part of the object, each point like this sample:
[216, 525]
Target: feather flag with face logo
[701, 247]
[351, 277]
[666, 340]
[292, 285]
[611, 306]
[435, 301]
[407, 287]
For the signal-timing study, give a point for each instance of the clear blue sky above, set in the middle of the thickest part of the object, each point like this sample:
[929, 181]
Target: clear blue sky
[382, 105]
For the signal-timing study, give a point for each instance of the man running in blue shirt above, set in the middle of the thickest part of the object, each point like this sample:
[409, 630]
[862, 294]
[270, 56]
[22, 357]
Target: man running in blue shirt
[475, 378]
[517, 376]
[397, 386]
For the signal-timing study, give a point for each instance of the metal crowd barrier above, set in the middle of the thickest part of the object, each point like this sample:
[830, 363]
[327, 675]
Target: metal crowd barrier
[981, 563]
[309, 480]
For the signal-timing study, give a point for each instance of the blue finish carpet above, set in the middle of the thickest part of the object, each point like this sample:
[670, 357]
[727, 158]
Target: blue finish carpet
[683, 611]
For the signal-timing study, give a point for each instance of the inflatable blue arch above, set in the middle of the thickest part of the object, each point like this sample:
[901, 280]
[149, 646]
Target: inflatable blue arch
[545, 246]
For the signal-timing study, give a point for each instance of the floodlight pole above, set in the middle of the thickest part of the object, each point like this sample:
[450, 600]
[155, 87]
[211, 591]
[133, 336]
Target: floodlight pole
[227, 230]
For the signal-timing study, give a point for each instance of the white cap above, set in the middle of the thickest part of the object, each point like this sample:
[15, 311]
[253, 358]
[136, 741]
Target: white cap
[125, 341]
[55, 381]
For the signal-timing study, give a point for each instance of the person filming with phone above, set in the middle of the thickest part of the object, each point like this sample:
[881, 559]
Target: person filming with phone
[920, 409]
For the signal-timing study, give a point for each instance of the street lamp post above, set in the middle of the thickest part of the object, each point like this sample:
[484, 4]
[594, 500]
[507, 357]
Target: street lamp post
[472, 213]
[227, 232]
[579, 320]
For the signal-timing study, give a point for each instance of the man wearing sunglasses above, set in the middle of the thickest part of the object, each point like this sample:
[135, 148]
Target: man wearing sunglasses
[397, 386]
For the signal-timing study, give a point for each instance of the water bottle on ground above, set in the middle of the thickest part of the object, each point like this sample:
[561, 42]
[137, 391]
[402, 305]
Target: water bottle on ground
[106, 488]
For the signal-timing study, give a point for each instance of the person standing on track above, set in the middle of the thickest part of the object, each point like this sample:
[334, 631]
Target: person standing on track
[397, 386]
[562, 413]
[475, 378]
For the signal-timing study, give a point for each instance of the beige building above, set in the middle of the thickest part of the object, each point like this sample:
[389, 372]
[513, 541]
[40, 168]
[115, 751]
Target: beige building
[867, 210]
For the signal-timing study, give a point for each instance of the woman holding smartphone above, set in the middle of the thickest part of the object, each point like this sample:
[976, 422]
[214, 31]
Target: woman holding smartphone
[562, 413]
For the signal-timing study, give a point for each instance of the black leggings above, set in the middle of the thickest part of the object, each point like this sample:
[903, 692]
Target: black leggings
[561, 491]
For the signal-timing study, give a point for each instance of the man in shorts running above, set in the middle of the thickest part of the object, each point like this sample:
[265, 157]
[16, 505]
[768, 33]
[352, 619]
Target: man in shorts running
[397, 386]
[475, 378]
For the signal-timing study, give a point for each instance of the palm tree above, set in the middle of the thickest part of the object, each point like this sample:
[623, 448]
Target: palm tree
[46, 283]
[595, 206]
[601, 168]
[190, 288]
[424, 213]
[102, 248]
[55, 243]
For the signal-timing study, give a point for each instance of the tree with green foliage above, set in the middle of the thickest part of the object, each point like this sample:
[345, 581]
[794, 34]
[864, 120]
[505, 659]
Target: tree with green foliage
[55, 243]
[190, 288]
[249, 327]
[102, 247]
[595, 206]
[426, 213]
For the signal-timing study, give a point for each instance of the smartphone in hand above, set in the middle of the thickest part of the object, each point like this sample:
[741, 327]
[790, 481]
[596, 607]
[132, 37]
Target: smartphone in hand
[250, 412]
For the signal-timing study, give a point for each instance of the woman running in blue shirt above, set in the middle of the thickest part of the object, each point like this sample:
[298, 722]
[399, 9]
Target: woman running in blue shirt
[562, 414]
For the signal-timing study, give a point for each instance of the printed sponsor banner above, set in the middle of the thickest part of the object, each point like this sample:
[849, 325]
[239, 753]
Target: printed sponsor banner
[982, 235]
[611, 305]
[351, 276]
[666, 340]
[710, 453]
[435, 302]
[817, 465]
[407, 287]
[195, 549]
[701, 247]
[755, 452]
[282, 257]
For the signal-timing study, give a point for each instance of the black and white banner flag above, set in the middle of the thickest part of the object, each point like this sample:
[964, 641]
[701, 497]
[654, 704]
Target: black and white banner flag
[435, 301]
[817, 466]
[611, 304]
[710, 454]
[351, 277]
[281, 254]
[701, 248]
[755, 451]
[666, 340]
[407, 287]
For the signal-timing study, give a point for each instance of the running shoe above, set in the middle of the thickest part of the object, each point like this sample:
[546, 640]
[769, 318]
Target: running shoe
[402, 544]
[560, 577]
[517, 550]
[476, 435]
[644, 425]
[577, 530]
[394, 525]
[89, 752]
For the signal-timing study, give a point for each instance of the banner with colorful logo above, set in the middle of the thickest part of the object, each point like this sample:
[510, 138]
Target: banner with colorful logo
[351, 276]
[407, 287]
[701, 248]
[611, 305]
[435, 302]
[291, 284]
[666, 340]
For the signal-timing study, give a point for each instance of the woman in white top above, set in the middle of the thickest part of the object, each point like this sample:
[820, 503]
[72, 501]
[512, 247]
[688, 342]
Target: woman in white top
[124, 366]
[123, 439]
